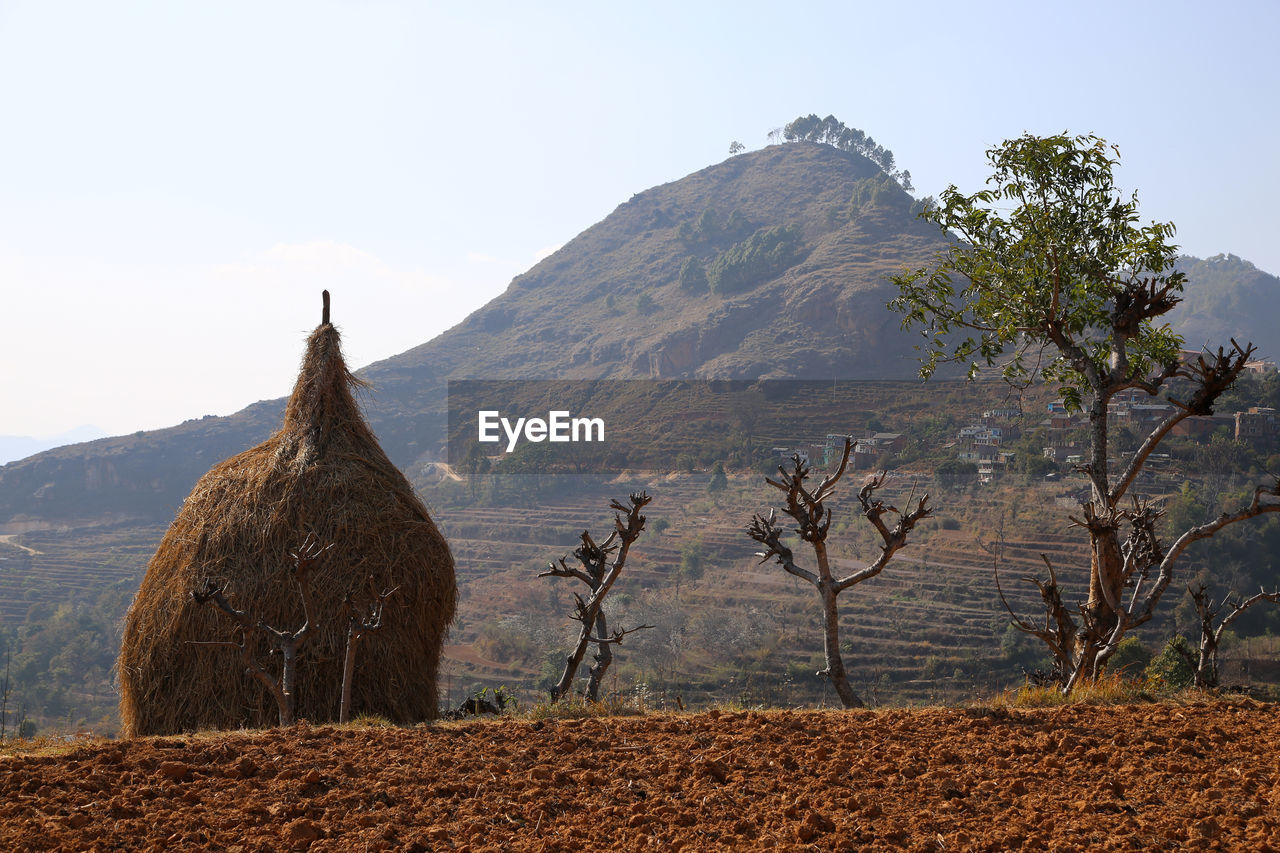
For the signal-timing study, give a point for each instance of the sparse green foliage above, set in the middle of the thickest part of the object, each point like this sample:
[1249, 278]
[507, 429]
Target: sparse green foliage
[693, 276]
[1069, 270]
[761, 256]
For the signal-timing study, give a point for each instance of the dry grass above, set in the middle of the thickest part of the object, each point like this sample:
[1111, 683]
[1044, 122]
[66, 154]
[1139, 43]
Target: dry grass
[49, 745]
[322, 474]
[1110, 689]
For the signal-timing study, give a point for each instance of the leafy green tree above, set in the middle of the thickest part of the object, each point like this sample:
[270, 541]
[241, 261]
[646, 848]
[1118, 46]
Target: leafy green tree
[1053, 277]
[956, 473]
[719, 482]
[692, 559]
[1033, 467]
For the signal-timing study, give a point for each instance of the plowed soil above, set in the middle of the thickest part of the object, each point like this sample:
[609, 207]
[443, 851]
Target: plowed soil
[1156, 777]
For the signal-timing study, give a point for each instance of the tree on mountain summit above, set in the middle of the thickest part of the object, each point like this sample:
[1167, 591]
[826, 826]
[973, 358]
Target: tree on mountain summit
[831, 131]
[1053, 277]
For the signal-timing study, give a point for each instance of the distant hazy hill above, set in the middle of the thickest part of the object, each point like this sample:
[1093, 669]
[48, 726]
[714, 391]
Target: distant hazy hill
[1228, 297]
[771, 264]
[21, 446]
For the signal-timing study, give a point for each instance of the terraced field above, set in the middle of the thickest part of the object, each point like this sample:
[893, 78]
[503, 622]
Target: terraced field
[929, 628]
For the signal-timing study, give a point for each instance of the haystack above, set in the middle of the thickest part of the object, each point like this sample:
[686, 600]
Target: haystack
[324, 474]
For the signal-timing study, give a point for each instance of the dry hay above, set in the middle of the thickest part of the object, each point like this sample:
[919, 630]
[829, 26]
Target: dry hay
[323, 473]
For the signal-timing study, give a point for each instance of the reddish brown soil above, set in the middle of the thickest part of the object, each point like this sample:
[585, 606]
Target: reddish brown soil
[1158, 777]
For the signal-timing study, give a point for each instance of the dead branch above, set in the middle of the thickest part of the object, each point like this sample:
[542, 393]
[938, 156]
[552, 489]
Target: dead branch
[287, 643]
[1206, 662]
[616, 637]
[1212, 376]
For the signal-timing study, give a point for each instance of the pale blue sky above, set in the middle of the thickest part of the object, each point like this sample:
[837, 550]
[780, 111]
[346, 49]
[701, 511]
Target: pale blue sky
[179, 180]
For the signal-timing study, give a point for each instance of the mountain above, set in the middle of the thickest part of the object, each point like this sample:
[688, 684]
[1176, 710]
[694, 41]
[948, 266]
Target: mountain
[796, 241]
[771, 264]
[21, 446]
[1228, 297]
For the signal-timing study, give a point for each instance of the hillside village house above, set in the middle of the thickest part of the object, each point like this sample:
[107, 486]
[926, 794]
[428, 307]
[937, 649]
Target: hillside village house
[867, 450]
[1259, 426]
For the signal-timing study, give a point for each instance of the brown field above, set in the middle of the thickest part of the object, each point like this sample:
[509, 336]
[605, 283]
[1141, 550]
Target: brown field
[1202, 776]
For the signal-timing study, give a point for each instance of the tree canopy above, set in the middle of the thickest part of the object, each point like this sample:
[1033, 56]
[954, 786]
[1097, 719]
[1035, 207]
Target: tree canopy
[1069, 271]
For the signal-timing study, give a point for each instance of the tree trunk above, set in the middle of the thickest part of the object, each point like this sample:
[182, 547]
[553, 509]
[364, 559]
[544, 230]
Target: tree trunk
[831, 646]
[831, 630]
[348, 670]
[1106, 590]
[603, 658]
[1207, 665]
[571, 664]
[288, 682]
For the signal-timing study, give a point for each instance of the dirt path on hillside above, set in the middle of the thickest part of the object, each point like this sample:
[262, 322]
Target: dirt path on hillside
[7, 539]
[1202, 777]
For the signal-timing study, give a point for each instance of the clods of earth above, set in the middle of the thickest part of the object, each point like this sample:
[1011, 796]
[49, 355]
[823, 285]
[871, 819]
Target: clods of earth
[1146, 777]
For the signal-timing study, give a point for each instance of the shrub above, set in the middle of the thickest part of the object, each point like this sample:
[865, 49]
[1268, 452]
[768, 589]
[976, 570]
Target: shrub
[719, 482]
[1171, 668]
[1130, 658]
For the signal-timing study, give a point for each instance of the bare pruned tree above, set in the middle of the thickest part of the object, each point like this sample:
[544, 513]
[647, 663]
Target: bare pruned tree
[1129, 577]
[1206, 662]
[813, 520]
[360, 621]
[286, 642]
[600, 565]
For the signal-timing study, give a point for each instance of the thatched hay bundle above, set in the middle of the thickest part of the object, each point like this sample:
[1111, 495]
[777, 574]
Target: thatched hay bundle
[323, 474]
